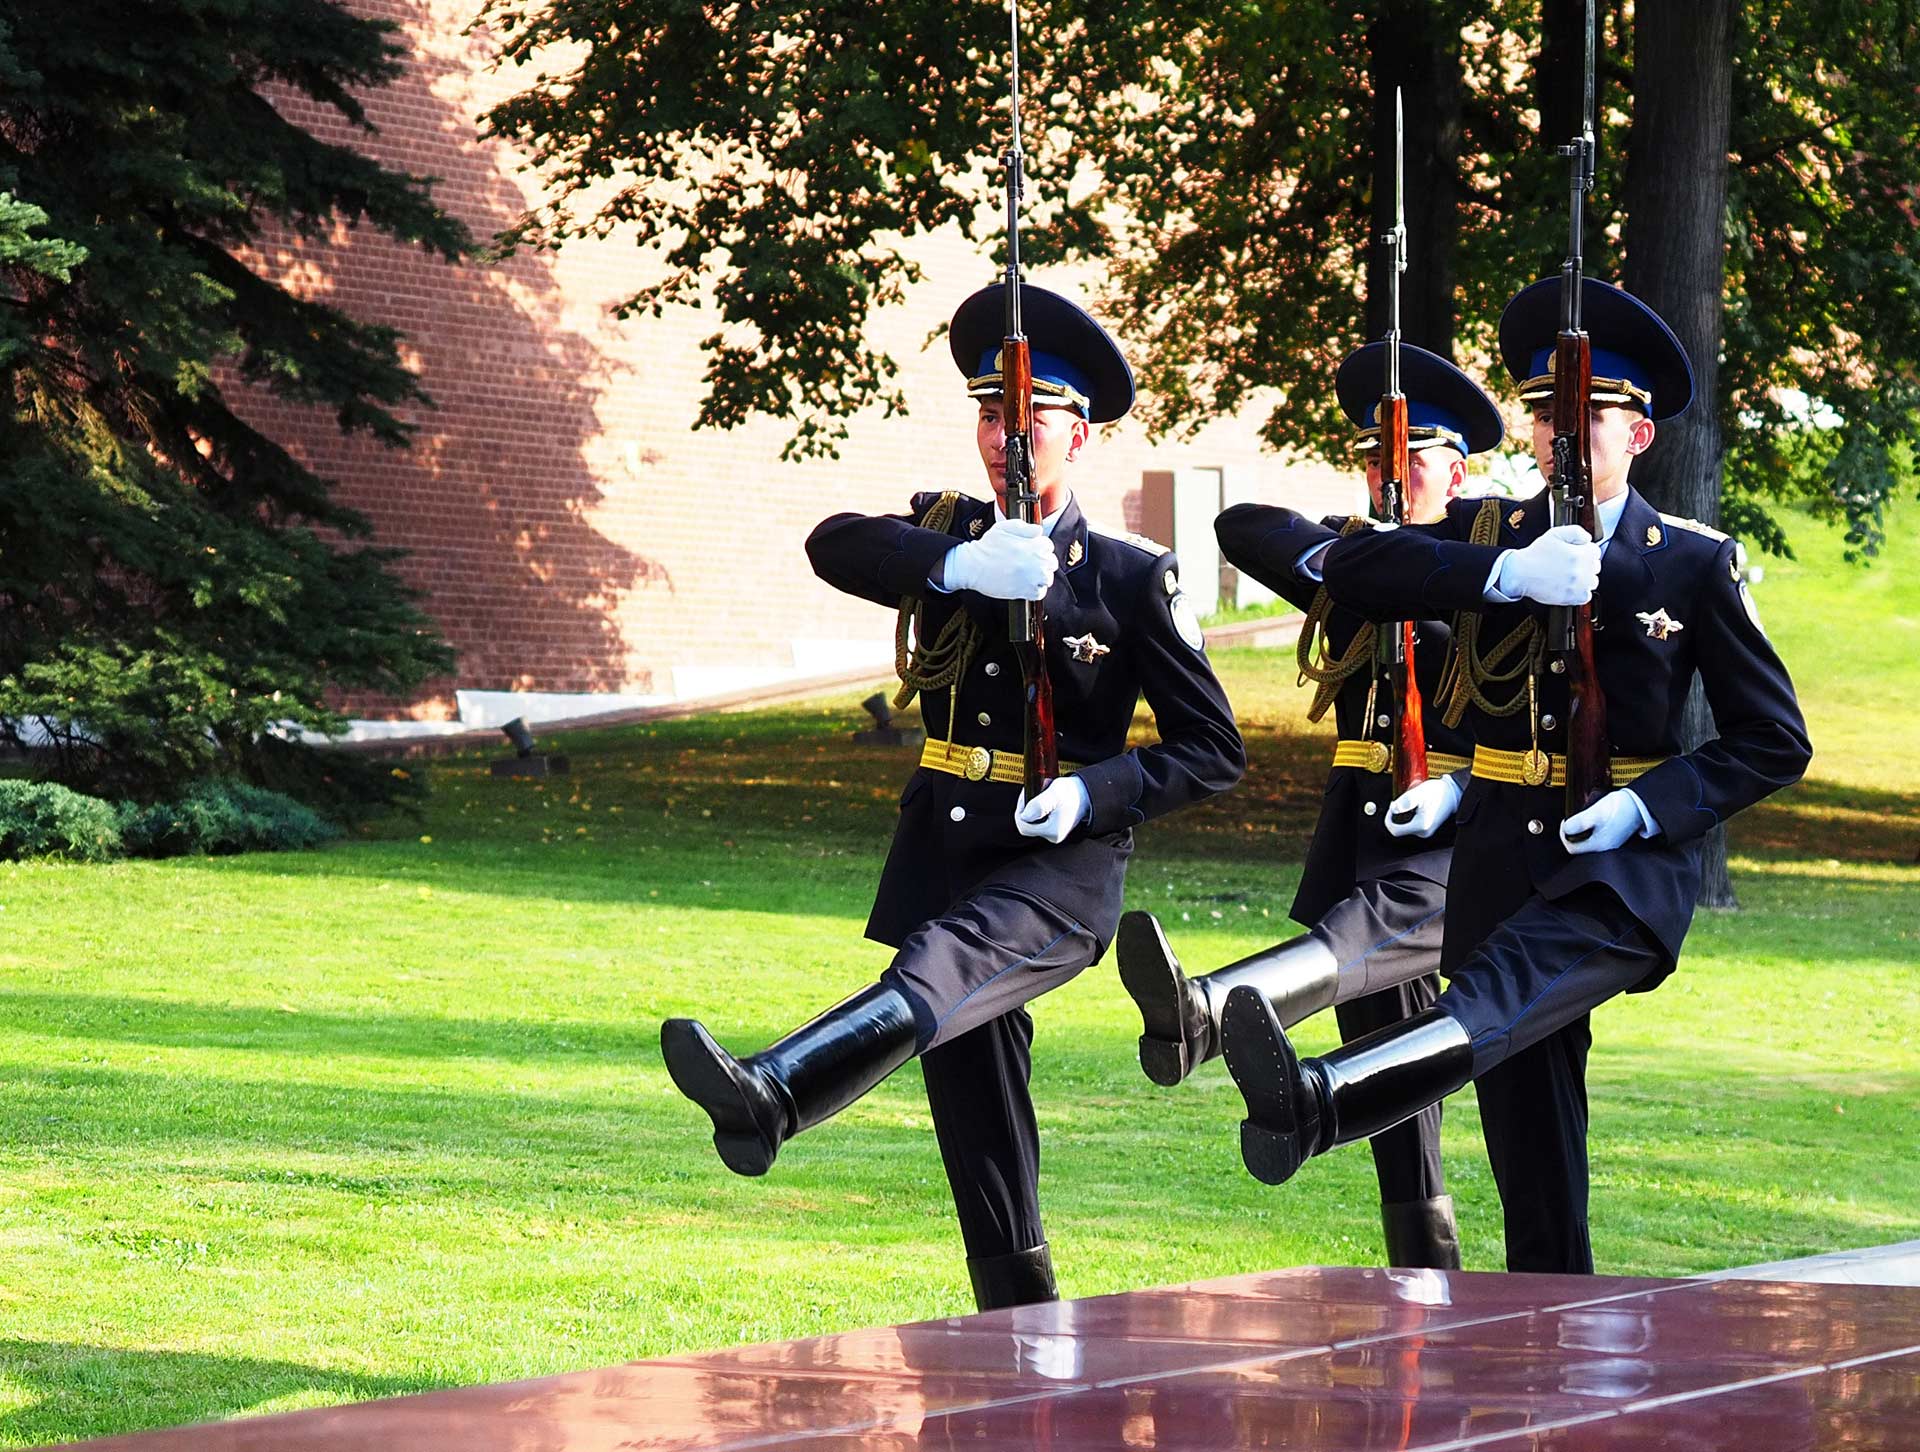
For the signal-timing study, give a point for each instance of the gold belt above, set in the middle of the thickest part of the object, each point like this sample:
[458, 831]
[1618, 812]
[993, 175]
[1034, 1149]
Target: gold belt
[1523, 768]
[980, 763]
[1378, 756]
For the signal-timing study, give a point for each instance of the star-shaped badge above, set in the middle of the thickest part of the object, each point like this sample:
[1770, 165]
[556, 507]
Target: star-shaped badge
[1659, 624]
[1085, 648]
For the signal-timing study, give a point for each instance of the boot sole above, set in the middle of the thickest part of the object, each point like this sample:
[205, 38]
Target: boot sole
[1152, 977]
[1265, 1069]
[712, 1078]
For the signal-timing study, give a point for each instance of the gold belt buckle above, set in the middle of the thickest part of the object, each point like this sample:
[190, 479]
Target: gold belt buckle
[1378, 757]
[1536, 768]
[979, 763]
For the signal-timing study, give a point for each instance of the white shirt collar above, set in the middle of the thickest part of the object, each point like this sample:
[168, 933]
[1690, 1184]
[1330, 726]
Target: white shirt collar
[1046, 524]
[1609, 512]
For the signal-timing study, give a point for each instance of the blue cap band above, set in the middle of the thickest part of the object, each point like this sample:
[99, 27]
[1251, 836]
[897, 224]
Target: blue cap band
[1047, 368]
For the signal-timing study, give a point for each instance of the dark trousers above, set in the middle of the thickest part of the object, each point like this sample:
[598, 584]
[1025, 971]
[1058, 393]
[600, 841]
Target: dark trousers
[1387, 929]
[967, 974]
[983, 1118]
[1524, 996]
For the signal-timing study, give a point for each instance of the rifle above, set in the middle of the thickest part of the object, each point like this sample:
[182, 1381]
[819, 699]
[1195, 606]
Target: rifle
[1393, 642]
[1570, 628]
[1027, 622]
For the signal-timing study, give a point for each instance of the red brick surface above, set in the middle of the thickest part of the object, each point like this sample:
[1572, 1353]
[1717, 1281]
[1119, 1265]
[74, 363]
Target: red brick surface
[571, 530]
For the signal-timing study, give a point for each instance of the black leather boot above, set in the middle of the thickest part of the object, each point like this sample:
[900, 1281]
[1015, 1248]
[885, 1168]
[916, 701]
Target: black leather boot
[1422, 1233]
[1298, 1108]
[1181, 1015]
[1020, 1279]
[759, 1102]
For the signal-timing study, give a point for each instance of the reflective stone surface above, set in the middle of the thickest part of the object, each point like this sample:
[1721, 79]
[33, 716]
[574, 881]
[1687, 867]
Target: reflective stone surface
[1309, 1358]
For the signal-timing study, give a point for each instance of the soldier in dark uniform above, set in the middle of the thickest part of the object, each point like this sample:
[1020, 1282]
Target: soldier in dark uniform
[991, 899]
[1547, 918]
[1373, 903]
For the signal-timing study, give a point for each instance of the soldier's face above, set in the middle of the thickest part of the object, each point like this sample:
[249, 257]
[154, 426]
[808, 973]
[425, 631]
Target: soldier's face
[1059, 435]
[1619, 435]
[1434, 476]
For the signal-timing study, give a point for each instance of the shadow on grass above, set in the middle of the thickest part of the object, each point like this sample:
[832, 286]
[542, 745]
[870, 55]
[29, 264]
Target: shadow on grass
[1820, 819]
[118, 1018]
[78, 1390]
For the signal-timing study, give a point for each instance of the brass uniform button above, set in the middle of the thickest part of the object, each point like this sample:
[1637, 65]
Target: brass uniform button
[1370, 808]
[1547, 723]
[984, 719]
[993, 667]
[1534, 825]
[959, 814]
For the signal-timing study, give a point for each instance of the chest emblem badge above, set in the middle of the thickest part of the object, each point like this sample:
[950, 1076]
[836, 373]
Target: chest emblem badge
[1085, 648]
[1660, 625]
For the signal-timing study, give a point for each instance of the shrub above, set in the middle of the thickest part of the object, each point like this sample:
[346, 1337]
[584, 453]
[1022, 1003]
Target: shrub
[40, 819]
[221, 817]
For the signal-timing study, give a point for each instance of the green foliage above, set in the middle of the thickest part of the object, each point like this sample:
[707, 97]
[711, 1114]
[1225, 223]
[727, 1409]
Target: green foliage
[1823, 284]
[172, 580]
[1223, 157]
[217, 817]
[44, 819]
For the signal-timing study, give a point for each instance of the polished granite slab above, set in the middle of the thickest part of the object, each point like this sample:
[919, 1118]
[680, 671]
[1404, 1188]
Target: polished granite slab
[1320, 1358]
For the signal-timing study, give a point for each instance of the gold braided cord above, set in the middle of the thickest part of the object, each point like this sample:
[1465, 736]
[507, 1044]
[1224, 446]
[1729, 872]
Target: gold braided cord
[1468, 670]
[1314, 648]
[935, 666]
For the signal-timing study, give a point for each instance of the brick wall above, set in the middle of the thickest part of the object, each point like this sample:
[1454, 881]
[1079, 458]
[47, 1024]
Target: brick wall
[571, 531]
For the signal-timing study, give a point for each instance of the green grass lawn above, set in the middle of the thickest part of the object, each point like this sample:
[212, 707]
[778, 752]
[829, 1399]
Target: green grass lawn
[283, 1131]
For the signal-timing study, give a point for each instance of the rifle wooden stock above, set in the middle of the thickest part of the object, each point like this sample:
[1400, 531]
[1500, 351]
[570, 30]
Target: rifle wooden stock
[1027, 621]
[1589, 753]
[1394, 642]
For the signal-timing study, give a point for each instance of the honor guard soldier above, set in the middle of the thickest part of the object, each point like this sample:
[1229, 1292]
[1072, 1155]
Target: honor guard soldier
[990, 899]
[1373, 903]
[1550, 912]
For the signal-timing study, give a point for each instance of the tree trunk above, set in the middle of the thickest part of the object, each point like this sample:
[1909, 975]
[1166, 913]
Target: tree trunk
[1416, 49]
[1676, 202]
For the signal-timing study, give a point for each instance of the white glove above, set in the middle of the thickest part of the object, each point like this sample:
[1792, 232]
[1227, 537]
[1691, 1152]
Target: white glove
[1562, 567]
[1060, 808]
[1606, 824]
[1422, 810]
[1011, 561]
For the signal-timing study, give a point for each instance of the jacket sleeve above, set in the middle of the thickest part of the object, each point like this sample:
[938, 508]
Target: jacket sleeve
[1199, 751]
[1265, 541]
[1762, 745]
[1412, 572]
[878, 557]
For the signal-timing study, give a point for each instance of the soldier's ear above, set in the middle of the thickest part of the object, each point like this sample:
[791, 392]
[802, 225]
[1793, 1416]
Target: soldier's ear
[1640, 436]
[1456, 477]
[1082, 431]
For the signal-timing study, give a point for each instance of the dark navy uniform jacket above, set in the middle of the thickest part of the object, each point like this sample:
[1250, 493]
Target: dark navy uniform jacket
[1350, 844]
[955, 835]
[1653, 564]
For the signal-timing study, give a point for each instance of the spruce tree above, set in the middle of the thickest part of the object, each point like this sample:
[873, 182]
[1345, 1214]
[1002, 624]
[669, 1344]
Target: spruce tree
[173, 583]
